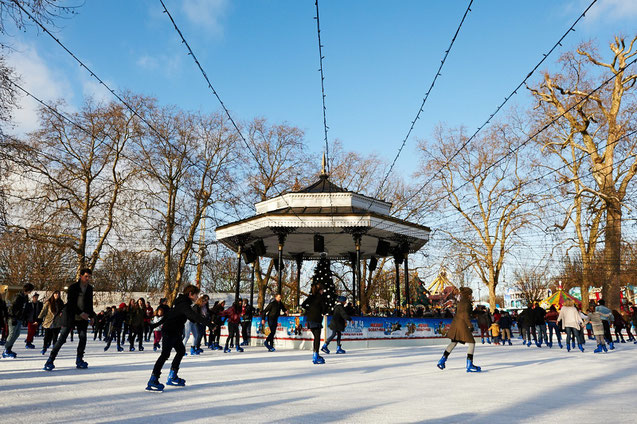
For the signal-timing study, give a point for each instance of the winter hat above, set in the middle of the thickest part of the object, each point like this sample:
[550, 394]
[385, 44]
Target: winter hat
[341, 299]
[122, 305]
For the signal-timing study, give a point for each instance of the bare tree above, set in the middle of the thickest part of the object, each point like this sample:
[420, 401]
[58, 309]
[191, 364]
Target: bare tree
[597, 123]
[483, 183]
[68, 178]
[187, 166]
[532, 283]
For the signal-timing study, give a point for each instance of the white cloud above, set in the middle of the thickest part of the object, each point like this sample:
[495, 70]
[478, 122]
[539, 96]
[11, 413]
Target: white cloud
[612, 10]
[206, 13]
[164, 64]
[40, 80]
[92, 89]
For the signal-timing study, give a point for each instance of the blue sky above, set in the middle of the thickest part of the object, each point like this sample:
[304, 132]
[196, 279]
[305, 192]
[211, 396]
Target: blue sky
[262, 57]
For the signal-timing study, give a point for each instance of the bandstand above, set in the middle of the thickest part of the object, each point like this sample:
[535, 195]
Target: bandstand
[324, 219]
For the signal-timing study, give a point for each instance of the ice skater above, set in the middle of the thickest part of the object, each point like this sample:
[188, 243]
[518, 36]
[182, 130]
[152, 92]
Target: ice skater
[233, 313]
[337, 325]
[173, 330]
[77, 313]
[52, 320]
[572, 322]
[274, 309]
[315, 308]
[115, 329]
[595, 320]
[16, 319]
[461, 331]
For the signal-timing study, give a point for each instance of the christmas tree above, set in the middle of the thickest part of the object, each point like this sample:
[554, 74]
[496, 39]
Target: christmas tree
[323, 276]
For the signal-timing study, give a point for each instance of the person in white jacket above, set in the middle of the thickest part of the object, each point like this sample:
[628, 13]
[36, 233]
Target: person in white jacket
[572, 323]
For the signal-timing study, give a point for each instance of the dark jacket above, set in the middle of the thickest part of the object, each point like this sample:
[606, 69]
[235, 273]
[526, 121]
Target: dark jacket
[339, 318]
[314, 307]
[526, 318]
[483, 318]
[18, 306]
[273, 310]
[173, 322]
[32, 311]
[136, 317]
[539, 316]
[505, 322]
[71, 309]
[4, 312]
[117, 320]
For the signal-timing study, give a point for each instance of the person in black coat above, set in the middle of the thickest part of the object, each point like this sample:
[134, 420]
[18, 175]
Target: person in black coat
[274, 309]
[315, 308]
[505, 323]
[338, 324]
[246, 321]
[115, 328]
[172, 332]
[4, 316]
[77, 313]
[539, 321]
[31, 316]
[17, 319]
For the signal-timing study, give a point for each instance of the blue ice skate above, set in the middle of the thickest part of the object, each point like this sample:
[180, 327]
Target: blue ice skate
[598, 349]
[441, 363]
[29, 346]
[9, 354]
[325, 349]
[81, 364]
[239, 349]
[611, 346]
[604, 348]
[154, 385]
[120, 349]
[173, 380]
[340, 350]
[488, 340]
[580, 347]
[48, 366]
[471, 367]
[43, 351]
[193, 351]
[317, 359]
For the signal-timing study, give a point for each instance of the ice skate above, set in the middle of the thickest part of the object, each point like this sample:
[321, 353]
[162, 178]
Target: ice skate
[9, 354]
[48, 366]
[174, 380]
[154, 385]
[81, 364]
[441, 362]
[325, 349]
[471, 367]
[340, 350]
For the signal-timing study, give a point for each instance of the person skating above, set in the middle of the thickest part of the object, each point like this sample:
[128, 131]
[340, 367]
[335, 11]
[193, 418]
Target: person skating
[136, 324]
[246, 322]
[571, 320]
[173, 330]
[115, 333]
[274, 309]
[77, 313]
[31, 315]
[159, 313]
[595, 319]
[484, 322]
[551, 320]
[539, 318]
[619, 324]
[528, 324]
[315, 308]
[51, 316]
[217, 319]
[16, 319]
[505, 327]
[337, 325]
[461, 331]
[201, 308]
[233, 314]
[4, 316]
[607, 318]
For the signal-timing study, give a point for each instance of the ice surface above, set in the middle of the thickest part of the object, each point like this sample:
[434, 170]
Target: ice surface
[519, 384]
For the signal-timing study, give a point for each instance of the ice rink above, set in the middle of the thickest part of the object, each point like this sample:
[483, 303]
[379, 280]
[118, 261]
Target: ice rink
[518, 384]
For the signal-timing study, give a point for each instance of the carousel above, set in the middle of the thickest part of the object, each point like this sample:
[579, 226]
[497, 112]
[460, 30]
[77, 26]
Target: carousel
[324, 220]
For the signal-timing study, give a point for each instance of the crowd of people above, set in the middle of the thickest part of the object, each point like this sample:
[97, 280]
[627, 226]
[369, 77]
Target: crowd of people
[191, 319]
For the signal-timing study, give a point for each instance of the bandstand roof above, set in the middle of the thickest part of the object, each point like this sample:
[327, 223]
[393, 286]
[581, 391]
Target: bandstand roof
[329, 210]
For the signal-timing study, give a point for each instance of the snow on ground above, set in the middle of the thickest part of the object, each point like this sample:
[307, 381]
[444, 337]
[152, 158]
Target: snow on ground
[519, 384]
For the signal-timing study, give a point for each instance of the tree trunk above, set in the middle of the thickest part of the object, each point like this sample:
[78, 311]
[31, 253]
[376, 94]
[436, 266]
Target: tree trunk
[612, 254]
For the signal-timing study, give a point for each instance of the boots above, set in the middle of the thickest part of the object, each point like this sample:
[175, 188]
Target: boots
[154, 385]
[598, 349]
[611, 346]
[471, 367]
[510, 344]
[441, 363]
[559, 343]
[316, 359]
[340, 350]
[325, 349]
[604, 348]
[580, 347]
[48, 366]
[488, 340]
[239, 348]
[174, 380]
[80, 363]
[193, 351]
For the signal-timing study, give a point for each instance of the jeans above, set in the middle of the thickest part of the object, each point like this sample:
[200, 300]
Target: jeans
[190, 327]
[14, 333]
[116, 334]
[171, 341]
[336, 334]
[571, 335]
[540, 329]
[201, 330]
[272, 323]
[233, 333]
[553, 327]
[82, 328]
[50, 335]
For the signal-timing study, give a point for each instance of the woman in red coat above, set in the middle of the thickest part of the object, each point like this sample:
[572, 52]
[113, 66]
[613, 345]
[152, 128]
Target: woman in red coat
[461, 331]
